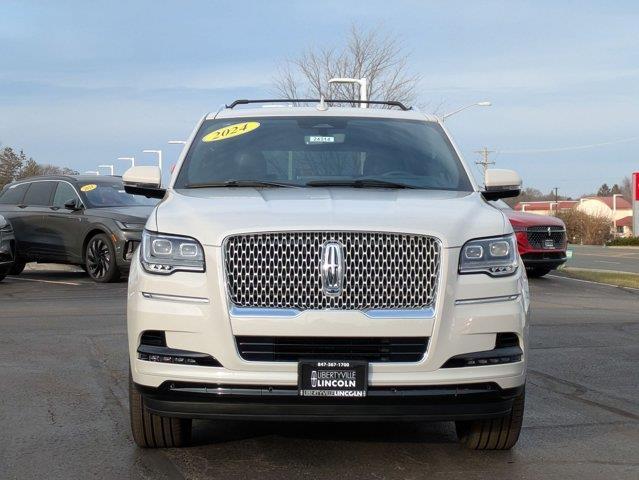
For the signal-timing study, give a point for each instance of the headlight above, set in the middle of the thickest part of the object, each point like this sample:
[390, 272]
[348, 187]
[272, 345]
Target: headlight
[496, 256]
[166, 254]
[138, 227]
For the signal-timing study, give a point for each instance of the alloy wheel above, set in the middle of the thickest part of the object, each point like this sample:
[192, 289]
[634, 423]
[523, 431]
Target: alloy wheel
[98, 258]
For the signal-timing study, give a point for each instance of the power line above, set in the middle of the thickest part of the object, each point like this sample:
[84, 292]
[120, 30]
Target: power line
[485, 161]
[567, 149]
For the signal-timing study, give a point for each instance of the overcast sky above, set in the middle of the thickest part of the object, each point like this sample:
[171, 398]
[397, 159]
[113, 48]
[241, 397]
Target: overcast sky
[82, 84]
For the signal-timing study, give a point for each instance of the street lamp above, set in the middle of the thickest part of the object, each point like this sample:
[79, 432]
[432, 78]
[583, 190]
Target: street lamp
[158, 153]
[478, 104]
[110, 167]
[614, 211]
[363, 87]
[128, 159]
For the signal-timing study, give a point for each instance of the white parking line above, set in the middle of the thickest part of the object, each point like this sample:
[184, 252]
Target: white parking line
[594, 283]
[44, 281]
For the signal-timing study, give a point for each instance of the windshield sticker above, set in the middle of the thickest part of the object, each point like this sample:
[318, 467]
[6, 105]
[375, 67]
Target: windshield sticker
[88, 188]
[317, 139]
[230, 131]
[321, 139]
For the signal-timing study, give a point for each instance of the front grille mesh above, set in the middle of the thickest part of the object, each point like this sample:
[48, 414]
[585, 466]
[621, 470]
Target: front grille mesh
[294, 349]
[381, 270]
[538, 235]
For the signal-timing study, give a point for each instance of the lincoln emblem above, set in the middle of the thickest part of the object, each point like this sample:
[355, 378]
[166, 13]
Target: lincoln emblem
[332, 268]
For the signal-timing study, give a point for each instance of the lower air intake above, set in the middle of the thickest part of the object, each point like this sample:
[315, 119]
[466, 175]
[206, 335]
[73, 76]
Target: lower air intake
[293, 349]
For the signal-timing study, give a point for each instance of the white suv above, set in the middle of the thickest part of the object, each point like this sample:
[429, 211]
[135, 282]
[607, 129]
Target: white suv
[326, 263]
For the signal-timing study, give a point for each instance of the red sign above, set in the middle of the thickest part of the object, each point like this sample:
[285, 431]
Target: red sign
[635, 176]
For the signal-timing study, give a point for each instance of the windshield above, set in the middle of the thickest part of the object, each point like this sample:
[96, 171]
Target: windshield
[321, 151]
[112, 194]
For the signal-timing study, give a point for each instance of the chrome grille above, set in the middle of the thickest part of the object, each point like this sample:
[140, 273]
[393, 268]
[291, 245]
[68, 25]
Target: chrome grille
[538, 235]
[381, 270]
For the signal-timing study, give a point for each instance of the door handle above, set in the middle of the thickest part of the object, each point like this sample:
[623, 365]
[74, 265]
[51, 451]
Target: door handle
[22, 206]
[54, 208]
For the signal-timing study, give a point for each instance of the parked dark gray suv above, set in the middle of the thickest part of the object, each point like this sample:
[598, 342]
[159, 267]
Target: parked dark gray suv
[88, 221]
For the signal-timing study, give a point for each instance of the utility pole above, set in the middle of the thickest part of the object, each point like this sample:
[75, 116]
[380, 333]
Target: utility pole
[556, 189]
[485, 161]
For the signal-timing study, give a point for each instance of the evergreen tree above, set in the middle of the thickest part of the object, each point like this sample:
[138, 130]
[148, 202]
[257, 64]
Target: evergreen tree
[10, 165]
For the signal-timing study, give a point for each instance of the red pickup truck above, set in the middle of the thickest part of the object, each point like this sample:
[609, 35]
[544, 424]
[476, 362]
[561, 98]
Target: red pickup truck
[541, 239]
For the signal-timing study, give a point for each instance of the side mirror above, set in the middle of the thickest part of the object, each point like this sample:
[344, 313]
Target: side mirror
[73, 204]
[145, 181]
[500, 183]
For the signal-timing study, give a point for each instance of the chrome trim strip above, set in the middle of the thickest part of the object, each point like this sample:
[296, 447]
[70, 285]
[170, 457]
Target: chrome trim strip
[421, 313]
[475, 301]
[175, 298]
[291, 312]
[263, 312]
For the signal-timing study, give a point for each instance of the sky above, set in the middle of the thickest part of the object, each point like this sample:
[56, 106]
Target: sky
[82, 83]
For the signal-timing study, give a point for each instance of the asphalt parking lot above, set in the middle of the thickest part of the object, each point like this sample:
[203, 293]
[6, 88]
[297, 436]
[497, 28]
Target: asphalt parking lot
[64, 407]
[620, 259]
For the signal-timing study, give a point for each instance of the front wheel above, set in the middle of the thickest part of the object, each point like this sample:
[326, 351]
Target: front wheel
[4, 271]
[99, 259]
[537, 272]
[153, 431]
[493, 434]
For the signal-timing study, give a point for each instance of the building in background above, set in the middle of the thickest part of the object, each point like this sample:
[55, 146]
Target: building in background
[546, 207]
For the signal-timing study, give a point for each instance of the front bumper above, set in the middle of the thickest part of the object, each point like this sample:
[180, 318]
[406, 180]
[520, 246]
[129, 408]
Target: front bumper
[192, 309]
[126, 243]
[544, 258]
[435, 403]
[7, 248]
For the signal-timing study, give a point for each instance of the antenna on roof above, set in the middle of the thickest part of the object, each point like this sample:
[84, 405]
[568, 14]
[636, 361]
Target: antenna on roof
[322, 107]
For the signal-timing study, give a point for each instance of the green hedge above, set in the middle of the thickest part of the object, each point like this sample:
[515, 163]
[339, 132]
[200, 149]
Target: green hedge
[624, 242]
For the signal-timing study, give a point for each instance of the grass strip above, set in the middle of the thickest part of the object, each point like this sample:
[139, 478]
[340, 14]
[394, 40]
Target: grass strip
[620, 279]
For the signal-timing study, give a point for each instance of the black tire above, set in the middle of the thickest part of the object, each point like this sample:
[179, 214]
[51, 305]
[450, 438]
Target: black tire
[4, 271]
[537, 272]
[153, 431]
[99, 259]
[17, 267]
[493, 434]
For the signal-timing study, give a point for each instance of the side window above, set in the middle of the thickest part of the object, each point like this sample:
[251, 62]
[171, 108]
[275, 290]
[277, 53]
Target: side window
[63, 194]
[13, 195]
[39, 194]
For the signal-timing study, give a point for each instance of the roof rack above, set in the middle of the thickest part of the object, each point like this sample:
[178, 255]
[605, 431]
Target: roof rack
[317, 100]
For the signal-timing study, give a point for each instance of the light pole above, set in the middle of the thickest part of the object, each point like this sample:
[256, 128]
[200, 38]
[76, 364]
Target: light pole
[614, 212]
[110, 167]
[363, 87]
[159, 154]
[454, 112]
[128, 159]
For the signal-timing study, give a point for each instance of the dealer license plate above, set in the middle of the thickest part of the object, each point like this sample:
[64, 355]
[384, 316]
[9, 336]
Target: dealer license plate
[549, 243]
[332, 378]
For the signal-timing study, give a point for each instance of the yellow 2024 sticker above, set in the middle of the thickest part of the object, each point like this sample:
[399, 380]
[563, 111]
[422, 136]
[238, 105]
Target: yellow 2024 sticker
[88, 188]
[230, 131]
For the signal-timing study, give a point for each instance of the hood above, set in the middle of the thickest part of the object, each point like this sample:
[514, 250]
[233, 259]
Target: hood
[211, 214]
[531, 219]
[137, 213]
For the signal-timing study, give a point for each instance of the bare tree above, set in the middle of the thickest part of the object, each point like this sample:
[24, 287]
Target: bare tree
[370, 54]
[626, 187]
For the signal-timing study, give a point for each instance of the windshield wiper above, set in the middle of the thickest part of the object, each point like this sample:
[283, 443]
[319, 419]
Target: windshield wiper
[359, 183]
[240, 183]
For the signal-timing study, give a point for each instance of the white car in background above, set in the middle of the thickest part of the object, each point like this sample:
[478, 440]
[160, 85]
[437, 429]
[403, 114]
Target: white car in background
[325, 263]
